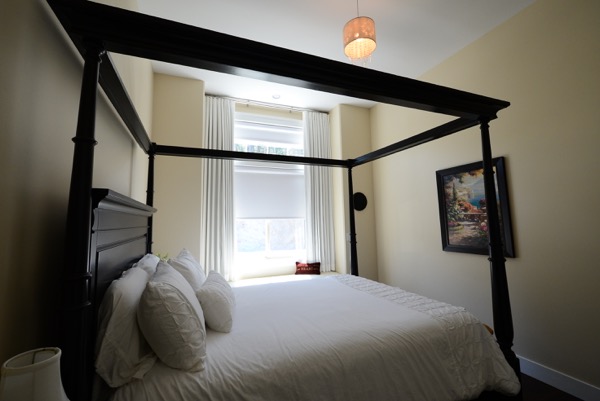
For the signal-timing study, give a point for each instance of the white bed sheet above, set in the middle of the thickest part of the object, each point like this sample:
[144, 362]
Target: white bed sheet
[337, 338]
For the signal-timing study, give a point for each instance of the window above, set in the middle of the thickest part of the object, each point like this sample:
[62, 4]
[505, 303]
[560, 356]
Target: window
[269, 198]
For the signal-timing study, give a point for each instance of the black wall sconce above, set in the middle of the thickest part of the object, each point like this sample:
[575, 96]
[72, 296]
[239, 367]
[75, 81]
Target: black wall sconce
[360, 201]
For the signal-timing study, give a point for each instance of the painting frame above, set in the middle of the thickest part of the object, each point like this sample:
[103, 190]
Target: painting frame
[463, 218]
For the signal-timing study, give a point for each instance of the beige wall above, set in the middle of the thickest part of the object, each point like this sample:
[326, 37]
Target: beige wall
[546, 62]
[178, 120]
[39, 97]
[351, 137]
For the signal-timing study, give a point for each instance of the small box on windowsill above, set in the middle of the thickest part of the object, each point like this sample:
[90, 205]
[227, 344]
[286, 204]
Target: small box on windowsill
[308, 267]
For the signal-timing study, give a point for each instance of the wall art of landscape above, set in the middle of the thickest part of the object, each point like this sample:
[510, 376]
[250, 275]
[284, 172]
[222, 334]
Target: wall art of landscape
[466, 209]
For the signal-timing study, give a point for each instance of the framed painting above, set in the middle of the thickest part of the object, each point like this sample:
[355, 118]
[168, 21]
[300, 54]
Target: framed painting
[463, 212]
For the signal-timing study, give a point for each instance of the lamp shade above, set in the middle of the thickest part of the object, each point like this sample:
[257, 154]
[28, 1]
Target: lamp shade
[31, 376]
[359, 38]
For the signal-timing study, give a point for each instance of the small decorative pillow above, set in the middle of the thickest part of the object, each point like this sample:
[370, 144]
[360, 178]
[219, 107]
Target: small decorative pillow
[186, 264]
[148, 263]
[122, 353]
[218, 302]
[172, 320]
[308, 267]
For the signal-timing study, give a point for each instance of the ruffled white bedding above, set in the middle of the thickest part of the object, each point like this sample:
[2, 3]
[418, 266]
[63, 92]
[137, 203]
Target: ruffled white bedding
[337, 338]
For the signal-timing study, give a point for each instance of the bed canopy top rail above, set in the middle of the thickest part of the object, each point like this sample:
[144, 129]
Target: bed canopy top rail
[145, 36]
[116, 93]
[165, 150]
[419, 139]
[130, 33]
[96, 29]
[449, 128]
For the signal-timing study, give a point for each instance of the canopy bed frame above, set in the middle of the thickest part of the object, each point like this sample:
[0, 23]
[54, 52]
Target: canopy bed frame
[97, 29]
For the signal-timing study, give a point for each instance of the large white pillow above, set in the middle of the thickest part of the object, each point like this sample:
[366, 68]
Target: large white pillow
[218, 302]
[172, 321]
[122, 353]
[189, 267]
[148, 262]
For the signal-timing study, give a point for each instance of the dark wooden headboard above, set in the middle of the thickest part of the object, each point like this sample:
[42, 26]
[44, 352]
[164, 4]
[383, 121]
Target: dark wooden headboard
[119, 237]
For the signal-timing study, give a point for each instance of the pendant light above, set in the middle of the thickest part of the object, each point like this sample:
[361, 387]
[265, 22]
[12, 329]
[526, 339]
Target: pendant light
[359, 38]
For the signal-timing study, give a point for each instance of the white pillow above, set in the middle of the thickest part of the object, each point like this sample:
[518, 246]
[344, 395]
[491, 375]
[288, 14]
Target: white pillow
[172, 321]
[148, 262]
[218, 302]
[186, 264]
[122, 353]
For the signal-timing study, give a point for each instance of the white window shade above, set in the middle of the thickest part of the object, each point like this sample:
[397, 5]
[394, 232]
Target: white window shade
[290, 134]
[269, 195]
[274, 134]
[264, 190]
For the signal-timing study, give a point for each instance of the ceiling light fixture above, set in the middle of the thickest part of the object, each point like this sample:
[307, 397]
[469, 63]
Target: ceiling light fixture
[359, 38]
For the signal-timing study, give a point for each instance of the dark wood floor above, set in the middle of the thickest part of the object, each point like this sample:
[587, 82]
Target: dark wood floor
[532, 390]
[535, 390]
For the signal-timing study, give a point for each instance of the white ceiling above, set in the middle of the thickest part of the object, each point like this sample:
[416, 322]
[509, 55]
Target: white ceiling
[412, 36]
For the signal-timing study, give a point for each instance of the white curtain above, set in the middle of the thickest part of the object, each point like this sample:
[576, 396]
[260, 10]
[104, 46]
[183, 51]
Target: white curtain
[217, 219]
[319, 204]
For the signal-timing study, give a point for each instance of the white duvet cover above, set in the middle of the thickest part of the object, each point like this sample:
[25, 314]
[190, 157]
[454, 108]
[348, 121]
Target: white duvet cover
[337, 338]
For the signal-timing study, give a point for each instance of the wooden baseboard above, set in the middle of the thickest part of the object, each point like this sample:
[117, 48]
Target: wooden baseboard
[568, 384]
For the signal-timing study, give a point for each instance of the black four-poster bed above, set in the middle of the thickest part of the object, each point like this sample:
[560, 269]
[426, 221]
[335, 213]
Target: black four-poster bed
[97, 253]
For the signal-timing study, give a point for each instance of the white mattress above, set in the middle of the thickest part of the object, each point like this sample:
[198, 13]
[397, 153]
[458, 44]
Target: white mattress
[337, 338]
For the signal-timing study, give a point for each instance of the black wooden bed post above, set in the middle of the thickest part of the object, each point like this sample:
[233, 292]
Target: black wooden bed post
[77, 361]
[150, 193]
[503, 324]
[352, 239]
